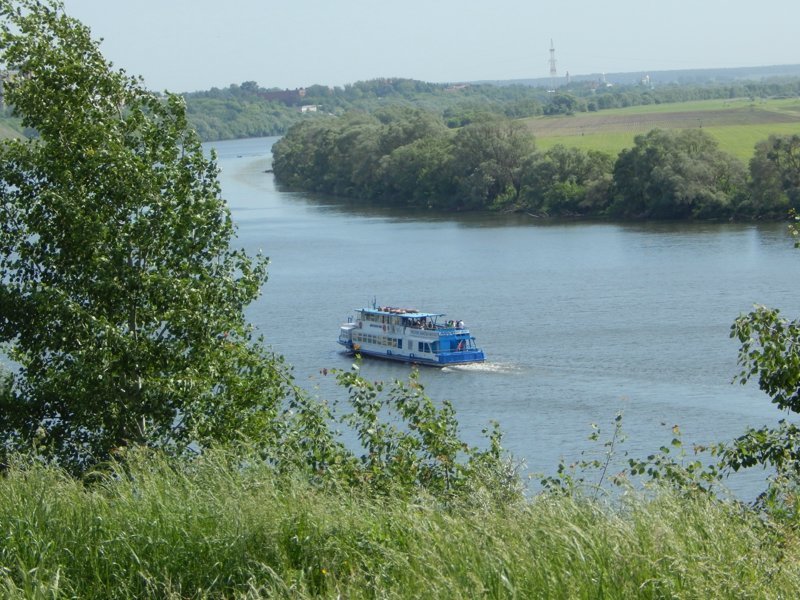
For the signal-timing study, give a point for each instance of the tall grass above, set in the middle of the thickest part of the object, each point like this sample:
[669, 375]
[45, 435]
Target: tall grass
[225, 528]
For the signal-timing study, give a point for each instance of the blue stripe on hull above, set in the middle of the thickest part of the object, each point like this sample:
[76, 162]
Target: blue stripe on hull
[461, 357]
[444, 359]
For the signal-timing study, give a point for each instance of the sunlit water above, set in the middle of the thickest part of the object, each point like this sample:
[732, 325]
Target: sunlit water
[578, 320]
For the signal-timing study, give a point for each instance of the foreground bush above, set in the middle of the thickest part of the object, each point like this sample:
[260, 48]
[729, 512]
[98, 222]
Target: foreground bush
[223, 527]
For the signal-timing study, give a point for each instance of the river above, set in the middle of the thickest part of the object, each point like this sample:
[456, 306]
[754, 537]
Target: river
[579, 321]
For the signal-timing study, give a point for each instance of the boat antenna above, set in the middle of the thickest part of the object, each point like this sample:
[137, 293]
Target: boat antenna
[374, 302]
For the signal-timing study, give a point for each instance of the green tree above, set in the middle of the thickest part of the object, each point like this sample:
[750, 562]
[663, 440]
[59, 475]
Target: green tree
[410, 443]
[487, 161]
[352, 156]
[303, 157]
[775, 176]
[417, 174]
[770, 352]
[353, 169]
[563, 104]
[121, 300]
[403, 126]
[566, 181]
[676, 175]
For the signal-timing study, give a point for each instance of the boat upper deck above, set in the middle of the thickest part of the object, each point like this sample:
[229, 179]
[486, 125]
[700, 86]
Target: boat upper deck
[408, 317]
[405, 313]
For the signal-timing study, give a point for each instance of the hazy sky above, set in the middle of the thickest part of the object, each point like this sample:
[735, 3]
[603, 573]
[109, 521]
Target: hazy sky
[187, 45]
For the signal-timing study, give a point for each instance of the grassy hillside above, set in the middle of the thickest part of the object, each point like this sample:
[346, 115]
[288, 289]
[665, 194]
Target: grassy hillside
[227, 528]
[10, 128]
[737, 124]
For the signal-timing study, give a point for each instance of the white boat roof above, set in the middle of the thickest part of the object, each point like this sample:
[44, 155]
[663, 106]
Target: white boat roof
[408, 313]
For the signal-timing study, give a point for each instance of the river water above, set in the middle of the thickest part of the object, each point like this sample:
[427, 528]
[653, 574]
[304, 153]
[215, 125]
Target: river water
[579, 321]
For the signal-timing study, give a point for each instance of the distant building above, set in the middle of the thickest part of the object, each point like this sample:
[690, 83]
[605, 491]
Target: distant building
[288, 97]
[309, 108]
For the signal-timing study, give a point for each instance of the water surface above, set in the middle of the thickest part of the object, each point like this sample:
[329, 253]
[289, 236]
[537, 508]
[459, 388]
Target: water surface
[578, 320]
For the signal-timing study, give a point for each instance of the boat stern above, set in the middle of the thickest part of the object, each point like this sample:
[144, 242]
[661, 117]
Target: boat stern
[462, 357]
[346, 335]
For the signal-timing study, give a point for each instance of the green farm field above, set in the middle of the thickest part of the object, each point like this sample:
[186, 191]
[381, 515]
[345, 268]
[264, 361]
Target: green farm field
[737, 124]
[10, 129]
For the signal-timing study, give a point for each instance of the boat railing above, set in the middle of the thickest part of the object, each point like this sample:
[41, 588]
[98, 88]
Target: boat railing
[437, 327]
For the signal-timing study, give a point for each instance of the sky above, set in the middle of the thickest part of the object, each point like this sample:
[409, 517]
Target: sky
[190, 45]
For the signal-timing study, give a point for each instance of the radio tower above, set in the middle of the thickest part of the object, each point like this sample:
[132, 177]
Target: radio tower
[553, 73]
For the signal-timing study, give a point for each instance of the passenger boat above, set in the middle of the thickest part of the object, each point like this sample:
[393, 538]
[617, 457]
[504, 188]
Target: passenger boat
[408, 335]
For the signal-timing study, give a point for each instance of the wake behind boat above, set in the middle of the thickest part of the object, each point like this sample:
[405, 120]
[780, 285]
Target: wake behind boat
[407, 335]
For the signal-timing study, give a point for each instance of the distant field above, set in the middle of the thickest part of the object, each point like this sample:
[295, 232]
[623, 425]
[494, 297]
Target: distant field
[9, 128]
[737, 124]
